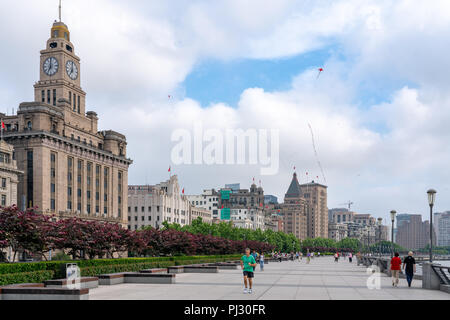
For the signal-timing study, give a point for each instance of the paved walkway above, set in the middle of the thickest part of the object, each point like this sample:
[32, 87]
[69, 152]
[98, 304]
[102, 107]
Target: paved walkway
[322, 279]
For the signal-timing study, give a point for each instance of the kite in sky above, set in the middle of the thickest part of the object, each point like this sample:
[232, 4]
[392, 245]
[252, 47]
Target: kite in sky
[320, 72]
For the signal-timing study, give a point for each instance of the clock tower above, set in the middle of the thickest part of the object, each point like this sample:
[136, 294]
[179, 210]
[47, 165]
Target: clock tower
[60, 72]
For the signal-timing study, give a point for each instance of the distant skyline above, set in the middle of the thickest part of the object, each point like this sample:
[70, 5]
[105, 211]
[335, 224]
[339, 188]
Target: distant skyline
[379, 111]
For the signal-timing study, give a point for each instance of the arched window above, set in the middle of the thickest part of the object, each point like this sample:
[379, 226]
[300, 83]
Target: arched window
[29, 126]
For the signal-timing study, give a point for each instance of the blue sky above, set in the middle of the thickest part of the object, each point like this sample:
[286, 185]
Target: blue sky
[215, 81]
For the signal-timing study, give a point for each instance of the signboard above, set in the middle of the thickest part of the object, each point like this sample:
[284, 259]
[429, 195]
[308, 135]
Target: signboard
[225, 214]
[225, 194]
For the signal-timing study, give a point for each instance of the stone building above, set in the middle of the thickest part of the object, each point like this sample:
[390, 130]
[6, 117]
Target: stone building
[9, 175]
[295, 210]
[248, 198]
[208, 200]
[254, 217]
[337, 231]
[316, 197]
[196, 212]
[70, 167]
[153, 205]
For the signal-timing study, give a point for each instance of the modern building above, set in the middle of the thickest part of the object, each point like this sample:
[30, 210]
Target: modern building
[441, 226]
[412, 233]
[234, 186]
[153, 205]
[315, 195]
[71, 169]
[9, 175]
[295, 210]
[269, 199]
[248, 198]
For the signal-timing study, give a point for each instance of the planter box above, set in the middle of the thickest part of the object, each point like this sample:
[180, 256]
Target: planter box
[85, 283]
[40, 293]
[132, 277]
[201, 269]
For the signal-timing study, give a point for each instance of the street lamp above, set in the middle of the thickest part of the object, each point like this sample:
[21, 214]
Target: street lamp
[431, 198]
[380, 221]
[393, 213]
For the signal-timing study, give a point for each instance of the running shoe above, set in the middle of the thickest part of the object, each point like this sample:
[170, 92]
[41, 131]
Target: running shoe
[250, 291]
[245, 291]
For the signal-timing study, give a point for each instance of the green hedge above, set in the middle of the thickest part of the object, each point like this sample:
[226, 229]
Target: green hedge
[102, 266]
[26, 277]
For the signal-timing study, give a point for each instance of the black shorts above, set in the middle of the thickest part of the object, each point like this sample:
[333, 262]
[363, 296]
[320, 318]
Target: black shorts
[249, 274]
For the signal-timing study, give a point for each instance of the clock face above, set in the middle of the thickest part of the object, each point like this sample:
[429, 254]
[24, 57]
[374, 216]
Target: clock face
[51, 66]
[72, 70]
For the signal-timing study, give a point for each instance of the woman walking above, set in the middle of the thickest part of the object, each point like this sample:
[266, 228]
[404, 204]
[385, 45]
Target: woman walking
[396, 263]
[409, 265]
[350, 257]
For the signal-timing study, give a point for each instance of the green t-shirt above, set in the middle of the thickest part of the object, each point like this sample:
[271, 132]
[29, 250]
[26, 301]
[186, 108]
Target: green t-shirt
[247, 261]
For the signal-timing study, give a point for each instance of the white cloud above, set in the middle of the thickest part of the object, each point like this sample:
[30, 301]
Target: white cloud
[134, 54]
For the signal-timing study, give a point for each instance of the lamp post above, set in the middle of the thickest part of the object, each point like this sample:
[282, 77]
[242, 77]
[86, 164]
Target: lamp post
[431, 198]
[393, 213]
[380, 221]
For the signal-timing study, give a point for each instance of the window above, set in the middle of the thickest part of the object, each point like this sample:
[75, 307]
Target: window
[29, 126]
[43, 96]
[54, 97]
[143, 218]
[3, 200]
[48, 96]
[143, 209]
[79, 104]
[70, 98]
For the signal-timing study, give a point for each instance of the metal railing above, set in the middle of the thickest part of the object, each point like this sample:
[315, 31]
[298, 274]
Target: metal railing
[443, 273]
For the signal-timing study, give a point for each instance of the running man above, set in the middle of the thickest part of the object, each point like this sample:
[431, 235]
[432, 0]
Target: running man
[248, 263]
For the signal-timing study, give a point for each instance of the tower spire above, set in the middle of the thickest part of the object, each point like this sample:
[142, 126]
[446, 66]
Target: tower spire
[59, 10]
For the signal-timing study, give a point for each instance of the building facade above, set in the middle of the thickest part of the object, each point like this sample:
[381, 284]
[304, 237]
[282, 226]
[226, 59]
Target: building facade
[9, 175]
[70, 168]
[316, 198]
[441, 226]
[208, 200]
[295, 210]
[412, 233]
[153, 205]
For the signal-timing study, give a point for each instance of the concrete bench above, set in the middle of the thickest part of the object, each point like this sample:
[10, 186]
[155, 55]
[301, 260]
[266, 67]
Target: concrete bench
[225, 266]
[85, 283]
[175, 269]
[134, 277]
[201, 269]
[154, 271]
[41, 293]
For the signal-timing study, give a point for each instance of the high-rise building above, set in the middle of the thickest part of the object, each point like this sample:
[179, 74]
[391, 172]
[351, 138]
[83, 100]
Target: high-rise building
[70, 168]
[294, 211]
[441, 225]
[412, 233]
[269, 199]
[315, 195]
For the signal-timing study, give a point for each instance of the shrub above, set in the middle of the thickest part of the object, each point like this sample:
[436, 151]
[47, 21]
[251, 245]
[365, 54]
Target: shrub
[26, 277]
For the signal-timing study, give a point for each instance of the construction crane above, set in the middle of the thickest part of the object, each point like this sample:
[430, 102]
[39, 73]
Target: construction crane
[349, 204]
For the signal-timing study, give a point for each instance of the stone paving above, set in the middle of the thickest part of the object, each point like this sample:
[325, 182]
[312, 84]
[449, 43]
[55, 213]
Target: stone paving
[322, 279]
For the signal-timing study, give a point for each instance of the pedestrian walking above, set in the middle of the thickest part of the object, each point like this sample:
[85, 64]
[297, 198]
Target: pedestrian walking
[308, 257]
[409, 265]
[255, 256]
[396, 263]
[248, 264]
[336, 257]
[261, 262]
[350, 257]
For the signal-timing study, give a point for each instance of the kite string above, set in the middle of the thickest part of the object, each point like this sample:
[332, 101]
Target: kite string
[315, 152]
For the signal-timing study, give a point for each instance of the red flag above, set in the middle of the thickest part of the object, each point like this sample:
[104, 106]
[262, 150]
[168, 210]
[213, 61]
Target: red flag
[170, 169]
[3, 125]
[183, 190]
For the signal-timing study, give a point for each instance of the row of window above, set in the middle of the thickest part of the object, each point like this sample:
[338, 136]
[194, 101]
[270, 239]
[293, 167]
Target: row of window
[89, 178]
[49, 99]
[76, 102]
